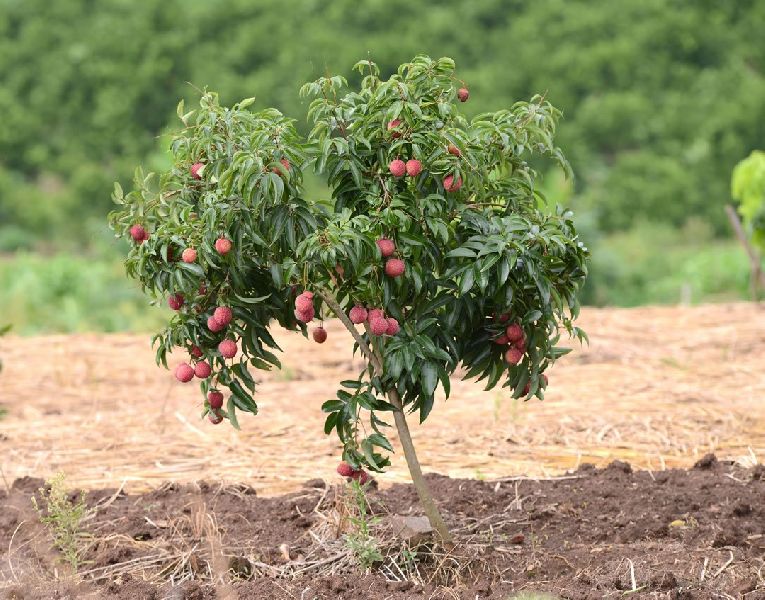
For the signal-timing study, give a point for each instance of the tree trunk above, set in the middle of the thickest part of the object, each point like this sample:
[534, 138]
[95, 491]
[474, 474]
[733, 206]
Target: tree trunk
[415, 471]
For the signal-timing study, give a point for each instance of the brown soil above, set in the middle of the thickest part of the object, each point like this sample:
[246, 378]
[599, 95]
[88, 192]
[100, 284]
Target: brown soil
[657, 387]
[597, 533]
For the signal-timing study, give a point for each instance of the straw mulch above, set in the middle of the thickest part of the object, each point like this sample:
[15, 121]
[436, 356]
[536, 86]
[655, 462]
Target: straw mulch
[657, 387]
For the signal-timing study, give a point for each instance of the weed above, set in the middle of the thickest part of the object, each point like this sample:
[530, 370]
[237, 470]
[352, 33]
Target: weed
[360, 540]
[63, 519]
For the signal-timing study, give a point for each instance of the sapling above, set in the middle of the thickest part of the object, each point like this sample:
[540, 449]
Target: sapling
[427, 272]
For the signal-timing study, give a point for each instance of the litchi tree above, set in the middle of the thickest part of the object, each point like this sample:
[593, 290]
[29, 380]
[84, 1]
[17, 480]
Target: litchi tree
[433, 251]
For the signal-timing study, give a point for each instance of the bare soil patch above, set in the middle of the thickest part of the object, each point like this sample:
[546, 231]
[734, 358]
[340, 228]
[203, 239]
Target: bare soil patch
[596, 533]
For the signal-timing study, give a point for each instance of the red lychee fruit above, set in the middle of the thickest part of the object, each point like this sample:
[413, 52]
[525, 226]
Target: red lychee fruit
[308, 294]
[514, 332]
[393, 326]
[202, 370]
[223, 314]
[285, 163]
[214, 325]
[503, 318]
[361, 476]
[413, 167]
[526, 389]
[227, 348]
[543, 377]
[376, 313]
[397, 167]
[501, 340]
[223, 245]
[138, 233]
[394, 125]
[303, 303]
[345, 470]
[175, 301]
[378, 326]
[189, 255]
[463, 94]
[215, 399]
[394, 267]
[197, 170]
[386, 246]
[520, 345]
[319, 335]
[358, 314]
[215, 417]
[453, 150]
[450, 185]
[513, 356]
[184, 373]
[195, 351]
[202, 289]
[305, 316]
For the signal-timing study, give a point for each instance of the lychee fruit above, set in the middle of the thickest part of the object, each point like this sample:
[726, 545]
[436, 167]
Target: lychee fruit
[543, 377]
[305, 316]
[413, 167]
[514, 332]
[450, 185]
[189, 255]
[227, 348]
[358, 314]
[453, 150]
[463, 94]
[223, 314]
[197, 170]
[175, 301]
[520, 345]
[184, 373]
[394, 267]
[526, 389]
[319, 335]
[138, 233]
[214, 325]
[513, 356]
[376, 313]
[503, 318]
[501, 340]
[202, 370]
[285, 163]
[303, 303]
[394, 125]
[386, 246]
[223, 245]
[378, 326]
[397, 167]
[345, 470]
[215, 399]
[361, 476]
[393, 326]
[215, 417]
[195, 351]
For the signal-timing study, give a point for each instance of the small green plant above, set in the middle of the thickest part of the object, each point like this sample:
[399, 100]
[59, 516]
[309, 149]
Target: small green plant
[360, 540]
[63, 519]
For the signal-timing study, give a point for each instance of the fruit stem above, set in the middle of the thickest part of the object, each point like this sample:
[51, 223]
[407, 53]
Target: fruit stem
[415, 470]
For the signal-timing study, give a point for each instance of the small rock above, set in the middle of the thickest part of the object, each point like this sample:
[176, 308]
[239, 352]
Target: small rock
[415, 530]
[707, 462]
[518, 538]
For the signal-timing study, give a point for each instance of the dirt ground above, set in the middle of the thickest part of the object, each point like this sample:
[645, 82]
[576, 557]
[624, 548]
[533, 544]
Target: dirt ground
[679, 534]
[657, 387]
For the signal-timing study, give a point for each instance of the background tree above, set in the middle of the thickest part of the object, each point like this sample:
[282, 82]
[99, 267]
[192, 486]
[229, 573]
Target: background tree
[433, 242]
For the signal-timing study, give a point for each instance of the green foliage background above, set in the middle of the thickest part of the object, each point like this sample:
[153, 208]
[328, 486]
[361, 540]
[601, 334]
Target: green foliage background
[660, 98]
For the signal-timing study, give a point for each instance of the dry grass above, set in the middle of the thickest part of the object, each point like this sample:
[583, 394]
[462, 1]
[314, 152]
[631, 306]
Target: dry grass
[657, 387]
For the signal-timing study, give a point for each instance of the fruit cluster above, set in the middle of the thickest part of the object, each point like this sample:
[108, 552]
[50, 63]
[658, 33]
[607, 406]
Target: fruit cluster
[344, 469]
